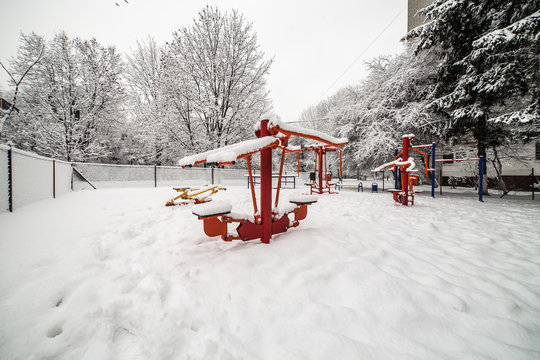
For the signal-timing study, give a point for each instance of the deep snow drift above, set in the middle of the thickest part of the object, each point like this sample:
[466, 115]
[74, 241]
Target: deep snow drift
[114, 274]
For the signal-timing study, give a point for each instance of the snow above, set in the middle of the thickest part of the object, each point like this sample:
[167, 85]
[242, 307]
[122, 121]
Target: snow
[229, 153]
[398, 162]
[301, 198]
[311, 132]
[211, 208]
[500, 36]
[114, 274]
[284, 209]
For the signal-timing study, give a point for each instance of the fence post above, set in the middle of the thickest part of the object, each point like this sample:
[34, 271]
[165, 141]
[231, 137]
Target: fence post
[481, 179]
[532, 182]
[155, 175]
[54, 179]
[212, 175]
[10, 178]
[71, 176]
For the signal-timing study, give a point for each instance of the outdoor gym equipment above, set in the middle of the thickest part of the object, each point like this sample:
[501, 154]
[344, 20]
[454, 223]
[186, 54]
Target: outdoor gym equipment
[323, 183]
[270, 219]
[406, 167]
[194, 194]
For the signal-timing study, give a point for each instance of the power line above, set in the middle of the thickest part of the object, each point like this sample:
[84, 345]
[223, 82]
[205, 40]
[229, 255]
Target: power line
[363, 52]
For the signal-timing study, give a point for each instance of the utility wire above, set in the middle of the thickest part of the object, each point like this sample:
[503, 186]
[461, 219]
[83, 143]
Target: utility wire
[350, 66]
[362, 53]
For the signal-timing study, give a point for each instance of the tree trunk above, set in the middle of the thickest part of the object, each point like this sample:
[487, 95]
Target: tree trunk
[497, 165]
[481, 137]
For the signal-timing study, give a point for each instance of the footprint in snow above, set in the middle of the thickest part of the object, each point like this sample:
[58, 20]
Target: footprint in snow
[54, 331]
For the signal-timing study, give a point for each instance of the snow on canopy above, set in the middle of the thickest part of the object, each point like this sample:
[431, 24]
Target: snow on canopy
[274, 121]
[233, 152]
[310, 132]
[229, 153]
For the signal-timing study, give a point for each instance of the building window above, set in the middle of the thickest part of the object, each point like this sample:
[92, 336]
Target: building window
[537, 156]
[448, 157]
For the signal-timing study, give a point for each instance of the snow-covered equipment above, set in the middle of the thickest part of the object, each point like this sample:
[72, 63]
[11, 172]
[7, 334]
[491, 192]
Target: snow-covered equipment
[270, 219]
[323, 182]
[407, 168]
[194, 194]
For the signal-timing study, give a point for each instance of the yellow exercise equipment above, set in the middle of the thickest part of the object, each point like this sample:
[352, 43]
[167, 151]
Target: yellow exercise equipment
[194, 194]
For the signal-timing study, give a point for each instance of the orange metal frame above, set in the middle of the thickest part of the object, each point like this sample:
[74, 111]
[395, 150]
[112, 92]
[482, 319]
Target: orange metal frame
[266, 221]
[320, 159]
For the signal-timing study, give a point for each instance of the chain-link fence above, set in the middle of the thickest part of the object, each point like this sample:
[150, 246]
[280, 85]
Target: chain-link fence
[26, 177]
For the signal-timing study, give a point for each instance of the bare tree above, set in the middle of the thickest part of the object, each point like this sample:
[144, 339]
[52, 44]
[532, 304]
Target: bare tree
[17, 83]
[219, 70]
[69, 101]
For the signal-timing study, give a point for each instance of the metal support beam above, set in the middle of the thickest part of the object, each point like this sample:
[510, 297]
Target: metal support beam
[433, 167]
[266, 187]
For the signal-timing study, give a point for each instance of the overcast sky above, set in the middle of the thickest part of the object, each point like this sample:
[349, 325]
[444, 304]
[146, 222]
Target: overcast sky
[313, 41]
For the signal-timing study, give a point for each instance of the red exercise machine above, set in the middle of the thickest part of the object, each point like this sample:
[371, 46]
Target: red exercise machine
[406, 165]
[269, 219]
[323, 183]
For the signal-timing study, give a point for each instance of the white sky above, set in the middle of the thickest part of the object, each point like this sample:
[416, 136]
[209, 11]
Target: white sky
[312, 42]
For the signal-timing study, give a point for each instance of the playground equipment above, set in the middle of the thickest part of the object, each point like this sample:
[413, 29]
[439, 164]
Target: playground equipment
[406, 167]
[270, 219]
[194, 194]
[323, 183]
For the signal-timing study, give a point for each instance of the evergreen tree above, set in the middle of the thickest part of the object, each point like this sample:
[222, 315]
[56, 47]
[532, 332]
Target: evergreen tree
[489, 73]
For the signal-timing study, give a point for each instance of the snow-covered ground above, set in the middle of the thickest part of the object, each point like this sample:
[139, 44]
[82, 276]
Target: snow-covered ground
[114, 274]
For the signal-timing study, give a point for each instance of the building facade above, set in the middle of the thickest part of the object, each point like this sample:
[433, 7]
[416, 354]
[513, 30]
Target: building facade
[412, 7]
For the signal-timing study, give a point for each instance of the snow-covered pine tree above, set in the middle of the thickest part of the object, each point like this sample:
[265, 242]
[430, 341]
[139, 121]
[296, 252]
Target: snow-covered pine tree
[489, 73]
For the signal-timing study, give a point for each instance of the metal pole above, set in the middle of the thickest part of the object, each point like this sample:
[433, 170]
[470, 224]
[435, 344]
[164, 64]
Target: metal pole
[10, 178]
[54, 179]
[481, 178]
[383, 181]
[433, 167]
[405, 174]
[213, 177]
[155, 175]
[532, 182]
[279, 179]
[250, 180]
[320, 169]
[395, 171]
[266, 187]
